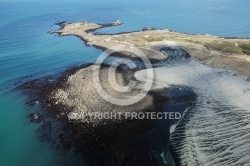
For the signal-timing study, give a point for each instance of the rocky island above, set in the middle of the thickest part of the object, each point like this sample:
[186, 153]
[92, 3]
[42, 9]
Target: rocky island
[231, 53]
[132, 141]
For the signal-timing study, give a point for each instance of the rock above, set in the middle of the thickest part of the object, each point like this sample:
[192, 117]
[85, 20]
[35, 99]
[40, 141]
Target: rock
[147, 29]
[36, 118]
[117, 22]
[60, 23]
[33, 102]
[29, 85]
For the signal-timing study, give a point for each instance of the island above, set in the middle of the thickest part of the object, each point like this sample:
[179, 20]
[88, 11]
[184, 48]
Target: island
[230, 53]
[122, 141]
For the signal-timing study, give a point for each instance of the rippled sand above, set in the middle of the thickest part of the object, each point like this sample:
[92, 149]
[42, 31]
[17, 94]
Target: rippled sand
[215, 130]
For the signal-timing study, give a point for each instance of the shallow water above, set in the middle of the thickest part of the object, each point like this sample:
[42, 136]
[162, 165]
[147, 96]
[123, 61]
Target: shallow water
[215, 129]
[28, 52]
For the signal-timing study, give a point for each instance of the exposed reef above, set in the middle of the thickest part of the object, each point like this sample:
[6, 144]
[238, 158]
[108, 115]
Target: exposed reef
[113, 142]
[125, 141]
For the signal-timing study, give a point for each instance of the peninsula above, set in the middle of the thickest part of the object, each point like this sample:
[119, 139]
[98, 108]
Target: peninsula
[229, 53]
[175, 88]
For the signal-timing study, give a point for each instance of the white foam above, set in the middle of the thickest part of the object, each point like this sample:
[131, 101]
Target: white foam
[173, 126]
[216, 130]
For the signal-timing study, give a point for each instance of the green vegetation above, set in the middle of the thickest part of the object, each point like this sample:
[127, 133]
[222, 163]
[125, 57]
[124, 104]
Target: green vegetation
[229, 47]
[245, 48]
[193, 41]
[150, 39]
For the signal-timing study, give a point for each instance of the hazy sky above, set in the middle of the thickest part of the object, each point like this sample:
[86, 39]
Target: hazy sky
[18, 1]
[34, 1]
[52, 0]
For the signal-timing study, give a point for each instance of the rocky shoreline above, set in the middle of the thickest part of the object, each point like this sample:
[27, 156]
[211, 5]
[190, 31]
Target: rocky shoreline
[150, 41]
[123, 142]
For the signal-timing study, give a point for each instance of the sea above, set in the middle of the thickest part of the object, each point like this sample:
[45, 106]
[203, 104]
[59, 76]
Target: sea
[28, 52]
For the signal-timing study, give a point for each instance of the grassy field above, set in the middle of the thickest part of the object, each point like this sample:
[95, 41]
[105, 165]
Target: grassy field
[229, 47]
[245, 48]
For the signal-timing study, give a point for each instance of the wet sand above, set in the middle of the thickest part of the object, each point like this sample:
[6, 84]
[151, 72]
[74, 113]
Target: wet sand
[131, 142]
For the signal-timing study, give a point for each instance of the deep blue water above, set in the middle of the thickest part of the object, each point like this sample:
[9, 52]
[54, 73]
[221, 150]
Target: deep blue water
[27, 52]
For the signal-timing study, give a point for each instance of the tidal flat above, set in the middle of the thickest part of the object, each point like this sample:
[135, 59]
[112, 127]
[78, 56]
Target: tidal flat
[189, 74]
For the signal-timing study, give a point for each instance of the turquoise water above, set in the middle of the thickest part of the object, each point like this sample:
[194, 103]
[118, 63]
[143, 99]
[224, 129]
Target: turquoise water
[27, 52]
